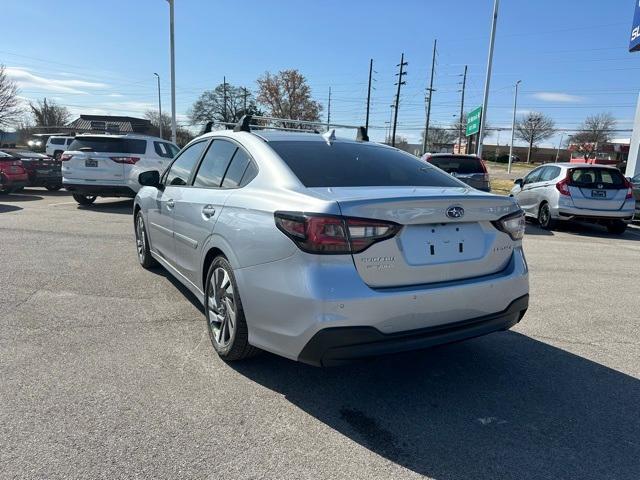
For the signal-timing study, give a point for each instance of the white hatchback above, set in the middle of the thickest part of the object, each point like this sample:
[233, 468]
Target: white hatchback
[103, 165]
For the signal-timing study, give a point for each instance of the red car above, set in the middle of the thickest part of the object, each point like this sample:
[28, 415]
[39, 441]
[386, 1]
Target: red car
[13, 176]
[42, 170]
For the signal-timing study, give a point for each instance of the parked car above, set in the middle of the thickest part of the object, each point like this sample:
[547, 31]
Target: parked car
[108, 165]
[13, 176]
[42, 170]
[468, 168]
[635, 185]
[569, 191]
[56, 145]
[322, 250]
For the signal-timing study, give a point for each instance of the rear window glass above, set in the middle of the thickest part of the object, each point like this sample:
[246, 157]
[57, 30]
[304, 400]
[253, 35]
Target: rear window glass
[596, 178]
[112, 145]
[57, 141]
[454, 164]
[318, 164]
[165, 149]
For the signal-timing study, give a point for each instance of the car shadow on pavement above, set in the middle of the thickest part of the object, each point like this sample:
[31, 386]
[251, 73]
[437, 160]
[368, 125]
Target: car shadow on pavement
[598, 231]
[532, 229]
[502, 406]
[124, 207]
[18, 197]
[9, 208]
[160, 271]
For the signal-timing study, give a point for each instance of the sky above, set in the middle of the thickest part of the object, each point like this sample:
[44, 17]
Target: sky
[99, 57]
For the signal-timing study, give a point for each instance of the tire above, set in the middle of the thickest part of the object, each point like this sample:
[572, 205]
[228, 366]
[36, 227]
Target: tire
[19, 189]
[57, 154]
[53, 188]
[226, 323]
[617, 227]
[84, 199]
[142, 243]
[544, 217]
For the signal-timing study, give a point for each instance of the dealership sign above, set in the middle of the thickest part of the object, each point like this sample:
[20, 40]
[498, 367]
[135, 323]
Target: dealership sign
[473, 121]
[634, 43]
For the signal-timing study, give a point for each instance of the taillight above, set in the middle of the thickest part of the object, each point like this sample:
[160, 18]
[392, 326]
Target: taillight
[563, 187]
[127, 160]
[484, 169]
[629, 186]
[331, 234]
[513, 225]
[65, 157]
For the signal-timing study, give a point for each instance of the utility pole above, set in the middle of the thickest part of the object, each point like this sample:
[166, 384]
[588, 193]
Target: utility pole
[430, 90]
[513, 126]
[464, 86]
[159, 106]
[366, 122]
[399, 83]
[559, 145]
[224, 99]
[329, 111]
[487, 80]
[173, 73]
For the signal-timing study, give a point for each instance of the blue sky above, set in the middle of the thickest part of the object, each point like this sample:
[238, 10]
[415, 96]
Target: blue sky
[99, 57]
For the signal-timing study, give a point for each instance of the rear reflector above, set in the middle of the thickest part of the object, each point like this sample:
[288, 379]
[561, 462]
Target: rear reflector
[127, 160]
[332, 234]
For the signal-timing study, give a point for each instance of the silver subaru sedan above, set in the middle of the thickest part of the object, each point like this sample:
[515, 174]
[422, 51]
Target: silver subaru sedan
[324, 250]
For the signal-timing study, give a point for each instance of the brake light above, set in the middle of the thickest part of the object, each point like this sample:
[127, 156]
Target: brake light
[332, 234]
[127, 160]
[65, 157]
[513, 225]
[629, 186]
[563, 187]
[484, 169]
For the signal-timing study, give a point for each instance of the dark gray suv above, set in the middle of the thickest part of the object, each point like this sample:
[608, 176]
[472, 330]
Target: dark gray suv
[466, 168]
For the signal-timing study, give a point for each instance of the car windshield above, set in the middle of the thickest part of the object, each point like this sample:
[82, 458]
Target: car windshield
[596, 178]
[457, 164]
[320, 164]
[109, 144]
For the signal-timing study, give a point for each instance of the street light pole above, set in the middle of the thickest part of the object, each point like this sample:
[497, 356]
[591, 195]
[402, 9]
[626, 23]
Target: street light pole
[487, 80]
[513, 126]
[159, 106]
[559, 145]
[173, 73]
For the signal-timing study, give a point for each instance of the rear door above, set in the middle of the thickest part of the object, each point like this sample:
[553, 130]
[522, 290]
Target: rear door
[102, 159]
[597, 188]
[160, 215]
[198, 206]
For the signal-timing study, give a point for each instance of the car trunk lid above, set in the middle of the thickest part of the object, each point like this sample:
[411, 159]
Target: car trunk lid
[446, 233]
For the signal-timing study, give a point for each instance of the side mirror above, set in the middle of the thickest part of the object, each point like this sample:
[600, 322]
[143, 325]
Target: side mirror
[519, 182]
[149, 179]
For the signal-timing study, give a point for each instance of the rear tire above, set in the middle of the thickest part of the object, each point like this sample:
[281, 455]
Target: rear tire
[617, 227]
[544, 217]
[53, 188]
[84, 199]
[224, 313]
[142, 243]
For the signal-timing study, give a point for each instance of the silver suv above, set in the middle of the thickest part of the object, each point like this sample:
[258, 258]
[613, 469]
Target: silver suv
[322, 250]
[576, 191]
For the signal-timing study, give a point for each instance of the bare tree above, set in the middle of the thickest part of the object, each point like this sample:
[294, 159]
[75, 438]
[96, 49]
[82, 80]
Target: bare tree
[534, 128]
[594, 131]
[183, 136]
[10, 109]
[440, 137]
[225, 103]
[47, 113]
[287, 95]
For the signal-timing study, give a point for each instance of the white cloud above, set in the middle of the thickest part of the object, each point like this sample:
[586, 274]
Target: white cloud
[558, 97]
[26, 79]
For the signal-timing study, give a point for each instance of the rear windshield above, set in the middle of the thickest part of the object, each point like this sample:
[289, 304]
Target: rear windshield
[596, 178]
[318, 164]
[456, 164]
[112, 145]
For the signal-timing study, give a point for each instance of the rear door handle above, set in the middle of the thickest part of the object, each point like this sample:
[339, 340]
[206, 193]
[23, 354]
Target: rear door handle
[170, 203]
[208, 211]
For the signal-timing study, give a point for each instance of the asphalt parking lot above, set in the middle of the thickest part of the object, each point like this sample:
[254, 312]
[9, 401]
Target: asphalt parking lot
[107, 372]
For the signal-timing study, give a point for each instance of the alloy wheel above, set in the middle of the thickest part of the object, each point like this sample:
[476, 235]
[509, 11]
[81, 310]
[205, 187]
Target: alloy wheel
[221, 307]
[141, 241]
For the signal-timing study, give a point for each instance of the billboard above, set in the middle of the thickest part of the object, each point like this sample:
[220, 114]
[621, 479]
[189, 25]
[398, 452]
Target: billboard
[634, 42]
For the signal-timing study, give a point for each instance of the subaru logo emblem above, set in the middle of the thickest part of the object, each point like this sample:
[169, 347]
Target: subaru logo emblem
[455, 212]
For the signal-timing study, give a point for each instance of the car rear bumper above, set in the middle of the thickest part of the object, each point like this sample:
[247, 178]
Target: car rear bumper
[9, 181]
[566, 213]
[100, 190]
[334, 346]
[288, 303]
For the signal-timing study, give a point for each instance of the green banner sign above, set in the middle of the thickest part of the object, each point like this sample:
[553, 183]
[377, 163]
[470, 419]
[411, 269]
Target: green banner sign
[473, 121]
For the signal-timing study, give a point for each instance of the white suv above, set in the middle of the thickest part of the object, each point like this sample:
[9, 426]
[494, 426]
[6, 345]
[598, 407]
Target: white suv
[56, 145]
[108, 165]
